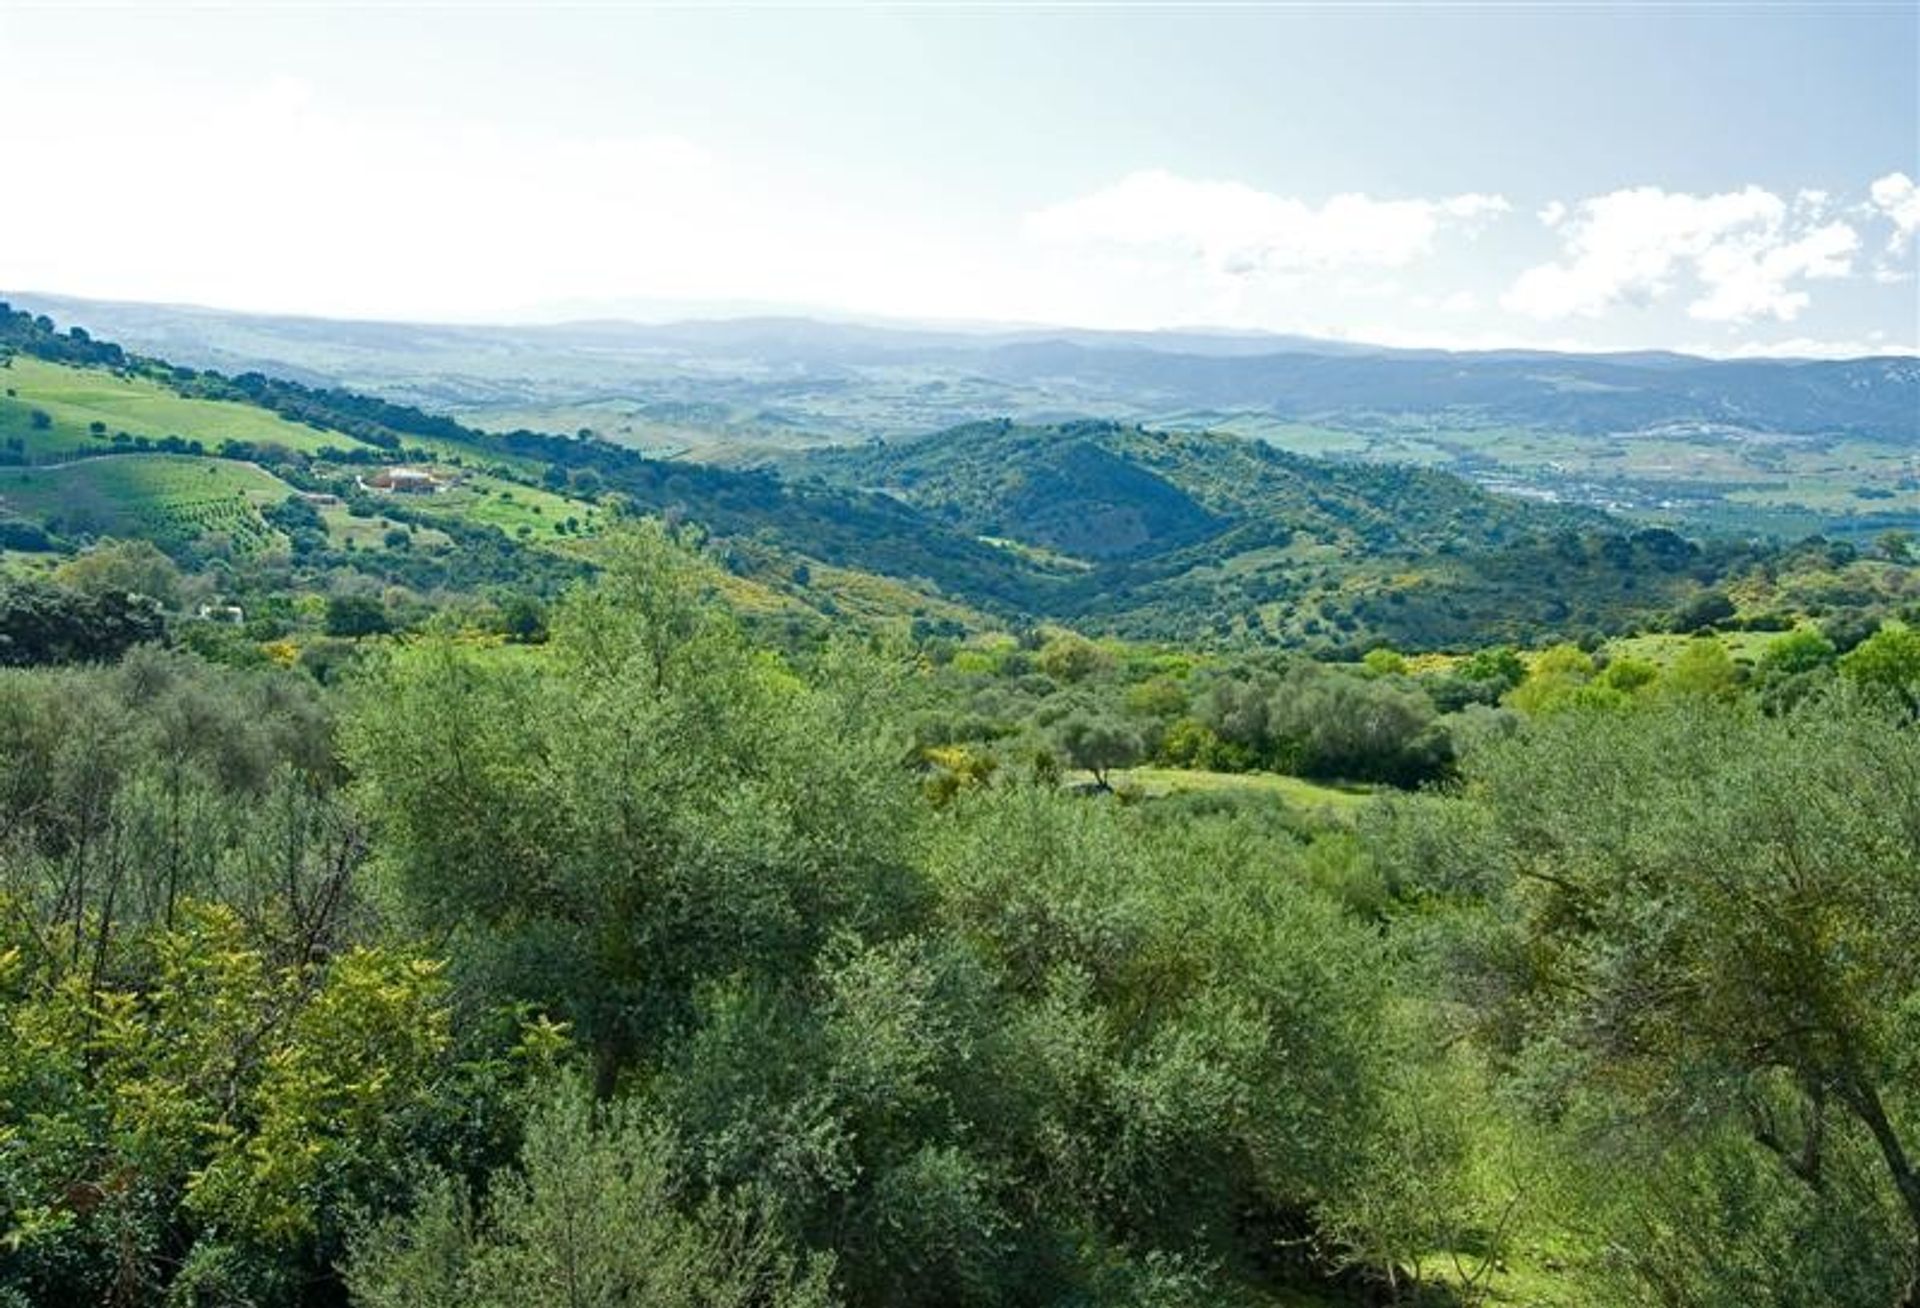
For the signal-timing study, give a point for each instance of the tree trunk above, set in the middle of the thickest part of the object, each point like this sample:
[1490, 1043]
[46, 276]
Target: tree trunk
[1866, 1104]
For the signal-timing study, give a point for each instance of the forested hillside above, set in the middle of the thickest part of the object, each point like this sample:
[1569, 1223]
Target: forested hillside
[649, 965]
[258, 486]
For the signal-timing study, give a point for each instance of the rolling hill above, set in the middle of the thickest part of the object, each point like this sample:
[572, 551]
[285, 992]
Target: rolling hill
[177, 501]
[1774, 447]
[1183, 532]
[1107, 490]
[1110, 527]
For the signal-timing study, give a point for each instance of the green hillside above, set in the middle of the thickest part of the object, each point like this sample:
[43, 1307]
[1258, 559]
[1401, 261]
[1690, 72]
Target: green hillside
[87, 408]
[97, 443]
[1104, 490]
[176, 501]
[1197, 538]
[1185, 533]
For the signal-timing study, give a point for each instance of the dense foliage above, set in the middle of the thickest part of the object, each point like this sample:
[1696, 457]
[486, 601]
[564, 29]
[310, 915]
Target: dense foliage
[647, 967]
[414, 905]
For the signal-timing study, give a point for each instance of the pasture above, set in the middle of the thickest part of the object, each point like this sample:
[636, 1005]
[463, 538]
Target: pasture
[75, 399]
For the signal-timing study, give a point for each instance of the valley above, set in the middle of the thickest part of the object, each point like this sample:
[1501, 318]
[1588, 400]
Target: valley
[1059, 831]
[1784, 448]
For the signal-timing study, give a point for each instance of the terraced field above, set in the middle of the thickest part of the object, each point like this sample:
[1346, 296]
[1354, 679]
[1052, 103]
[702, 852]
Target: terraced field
[170, 499]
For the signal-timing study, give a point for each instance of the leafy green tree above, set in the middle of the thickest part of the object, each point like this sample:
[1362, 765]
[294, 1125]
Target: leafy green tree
[1338, 726]
[1384, 662]
[192, 1119]
[1196, 1042]
[1499, 666]
[353, 616]
[1713, 1222]
[1235, 709]
[1157, 697]
[123, 567]
[524, 619]
[1708, 609]
[1098, 743]
[45, 623]
[1848, 629]
[1724, 942]
[1070, 658]
[653, 805]
[592, 1217]
[1629, 675]
[1795, 653]
[1703, 667]
[1191, 743]
[1888, 661]
[1482, 678]
[1794, 666]
[1553, 681]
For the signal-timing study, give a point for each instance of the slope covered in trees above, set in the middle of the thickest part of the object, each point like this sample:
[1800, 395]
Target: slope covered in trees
[653, 967]
[1196, 538]
[1105, 491]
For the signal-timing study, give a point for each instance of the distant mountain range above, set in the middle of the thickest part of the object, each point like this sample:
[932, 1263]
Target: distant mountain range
[783, 381]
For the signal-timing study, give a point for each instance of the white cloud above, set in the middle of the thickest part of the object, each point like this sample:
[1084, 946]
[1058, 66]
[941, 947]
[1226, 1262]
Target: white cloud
[1898, 198]
[1745, 249]
[1240, 231]
[1747, 276]
[410, 213]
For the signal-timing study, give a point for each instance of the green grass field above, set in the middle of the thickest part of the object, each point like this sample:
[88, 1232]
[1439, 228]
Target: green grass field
[348, 532]
[1341, 801]
[170, 499]
[75, 398]
[1662, 649]
[510, 506]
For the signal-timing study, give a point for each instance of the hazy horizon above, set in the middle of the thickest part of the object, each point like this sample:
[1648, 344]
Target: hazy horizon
[1714, 181]
[668, 314]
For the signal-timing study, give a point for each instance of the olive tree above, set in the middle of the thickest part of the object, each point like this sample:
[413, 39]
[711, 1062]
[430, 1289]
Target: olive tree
[1712, 917]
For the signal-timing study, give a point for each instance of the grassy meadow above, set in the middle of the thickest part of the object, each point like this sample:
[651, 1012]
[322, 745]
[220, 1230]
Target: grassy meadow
[75, 399]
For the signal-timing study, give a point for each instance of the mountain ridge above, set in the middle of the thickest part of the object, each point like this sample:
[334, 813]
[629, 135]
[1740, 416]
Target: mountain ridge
[787, 368]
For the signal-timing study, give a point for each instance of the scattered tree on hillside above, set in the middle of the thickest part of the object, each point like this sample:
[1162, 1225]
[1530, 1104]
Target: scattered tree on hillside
[1098, 743]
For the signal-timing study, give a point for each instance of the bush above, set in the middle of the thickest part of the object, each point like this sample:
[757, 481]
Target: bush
[352, 616]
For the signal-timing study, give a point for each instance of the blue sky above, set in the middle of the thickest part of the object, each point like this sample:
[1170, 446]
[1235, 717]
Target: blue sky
[1726, 179]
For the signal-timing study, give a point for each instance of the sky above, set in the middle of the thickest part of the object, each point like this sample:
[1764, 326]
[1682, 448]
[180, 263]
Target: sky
[1728, 180]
